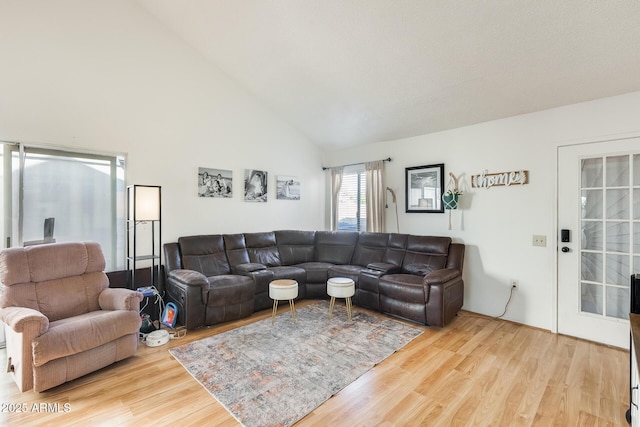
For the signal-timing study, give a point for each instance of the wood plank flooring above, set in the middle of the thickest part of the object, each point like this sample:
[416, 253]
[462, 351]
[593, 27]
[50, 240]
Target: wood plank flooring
[476, 372]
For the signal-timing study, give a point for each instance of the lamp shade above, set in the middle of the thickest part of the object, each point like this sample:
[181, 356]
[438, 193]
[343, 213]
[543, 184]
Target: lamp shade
[144, 202]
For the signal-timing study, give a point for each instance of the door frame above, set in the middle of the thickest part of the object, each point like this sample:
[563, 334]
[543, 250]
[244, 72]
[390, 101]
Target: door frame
[557, 146]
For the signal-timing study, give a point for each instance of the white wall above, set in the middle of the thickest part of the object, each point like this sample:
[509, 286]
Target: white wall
[497, 224]
[106, 76]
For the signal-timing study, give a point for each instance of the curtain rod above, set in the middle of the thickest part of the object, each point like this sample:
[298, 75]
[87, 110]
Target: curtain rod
[388, 159]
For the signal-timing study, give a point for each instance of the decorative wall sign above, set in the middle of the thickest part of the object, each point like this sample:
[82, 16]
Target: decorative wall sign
[488, 180]
[214, 182]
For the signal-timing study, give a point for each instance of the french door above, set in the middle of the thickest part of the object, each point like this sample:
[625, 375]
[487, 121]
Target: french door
[599, 211]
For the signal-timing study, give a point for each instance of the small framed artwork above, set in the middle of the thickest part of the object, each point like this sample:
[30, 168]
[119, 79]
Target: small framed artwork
[255, 186]
[287, 188]
[424, 187]
[215, 182]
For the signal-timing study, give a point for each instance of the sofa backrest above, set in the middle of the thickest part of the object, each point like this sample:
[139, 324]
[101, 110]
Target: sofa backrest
[262, 248]
[425, 254]
[396, 249]
[217, 254]
[59, 280]
[335, 247]
[205, 254]
[236, 249]
[296, 247]
[371, 247]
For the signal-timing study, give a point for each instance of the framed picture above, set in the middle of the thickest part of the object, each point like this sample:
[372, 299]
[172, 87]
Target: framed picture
[287, 188]
[215, 183]
[424, 186]
[255, 186]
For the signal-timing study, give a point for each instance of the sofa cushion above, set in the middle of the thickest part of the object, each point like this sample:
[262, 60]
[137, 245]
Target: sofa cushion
[316, 271]
[262, 248]
[86, 331]
[248, 268]
[204, 254]
[229, 290]
[404, 287]
[396, 248]
[43, 286]
[295, 246]
[371, 247]
[290, 272]
[429, 251]
[349, 271]
[58, 298]
[419, 269]
[335, 247]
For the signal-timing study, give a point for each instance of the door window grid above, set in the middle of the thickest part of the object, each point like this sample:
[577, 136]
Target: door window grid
[610, 233]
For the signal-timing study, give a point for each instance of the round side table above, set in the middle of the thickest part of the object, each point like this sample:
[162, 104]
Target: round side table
[283, 289]
[340, 287]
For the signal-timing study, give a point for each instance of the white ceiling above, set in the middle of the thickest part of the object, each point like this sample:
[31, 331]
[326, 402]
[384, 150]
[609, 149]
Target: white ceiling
[347, 72]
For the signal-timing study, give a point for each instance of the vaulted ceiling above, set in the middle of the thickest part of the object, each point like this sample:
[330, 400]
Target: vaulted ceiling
[348, 72]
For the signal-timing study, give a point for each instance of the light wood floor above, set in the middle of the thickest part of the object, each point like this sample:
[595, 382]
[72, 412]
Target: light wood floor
[476, 372]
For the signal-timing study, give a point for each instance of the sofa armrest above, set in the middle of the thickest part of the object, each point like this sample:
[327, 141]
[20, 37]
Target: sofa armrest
[441, 276]
[188, 282]
[444, 291]
[384, 267]
[119, 299]
[189, 278]
[243, 269]
[17, 318]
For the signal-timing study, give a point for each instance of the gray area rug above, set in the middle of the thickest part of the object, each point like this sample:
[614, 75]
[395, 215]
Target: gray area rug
[268, 375]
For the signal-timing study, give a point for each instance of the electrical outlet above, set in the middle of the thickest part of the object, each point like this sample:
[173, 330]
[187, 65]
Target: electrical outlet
[539, 240]
[514, 283]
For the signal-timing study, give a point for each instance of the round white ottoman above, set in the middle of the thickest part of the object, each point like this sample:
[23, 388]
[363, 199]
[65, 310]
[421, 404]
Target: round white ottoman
[340, 287]
[283, 289]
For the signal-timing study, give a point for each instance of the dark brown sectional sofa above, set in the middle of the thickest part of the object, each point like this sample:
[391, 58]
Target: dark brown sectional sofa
[223, 277]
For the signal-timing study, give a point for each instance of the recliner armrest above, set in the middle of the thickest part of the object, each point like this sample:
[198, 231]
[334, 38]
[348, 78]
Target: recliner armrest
[119, 299]
[249, 267]
[441, 276]
[17, 319]
[189, 277]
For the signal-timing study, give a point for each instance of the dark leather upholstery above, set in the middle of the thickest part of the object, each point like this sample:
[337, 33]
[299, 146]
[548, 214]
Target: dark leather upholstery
[217, 278]
[429, 289]
[335, 247]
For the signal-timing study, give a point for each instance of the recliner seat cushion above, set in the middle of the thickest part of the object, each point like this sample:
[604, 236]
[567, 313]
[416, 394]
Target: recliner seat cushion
[403, 287]
[86, 331]
[228, 290]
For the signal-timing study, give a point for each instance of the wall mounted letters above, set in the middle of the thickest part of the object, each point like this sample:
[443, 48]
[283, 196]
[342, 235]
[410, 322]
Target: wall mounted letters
[488, 180]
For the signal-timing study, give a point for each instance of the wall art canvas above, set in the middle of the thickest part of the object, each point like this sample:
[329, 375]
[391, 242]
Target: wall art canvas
[424, 186]
[287, 188]
[215, 182]
[255, 186]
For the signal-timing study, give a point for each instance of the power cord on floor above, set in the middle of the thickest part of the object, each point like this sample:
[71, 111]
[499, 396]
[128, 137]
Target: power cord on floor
[159, 300]
[507, 304]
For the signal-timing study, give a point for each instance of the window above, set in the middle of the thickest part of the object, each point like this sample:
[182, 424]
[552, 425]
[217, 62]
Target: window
[352, 212]
[53, 195]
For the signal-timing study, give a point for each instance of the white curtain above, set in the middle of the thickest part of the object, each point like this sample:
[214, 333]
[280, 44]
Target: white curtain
[336, 183]
[375, 196]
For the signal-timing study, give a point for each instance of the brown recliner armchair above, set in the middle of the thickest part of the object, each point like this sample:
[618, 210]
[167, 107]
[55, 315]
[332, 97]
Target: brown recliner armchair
[62, 319]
